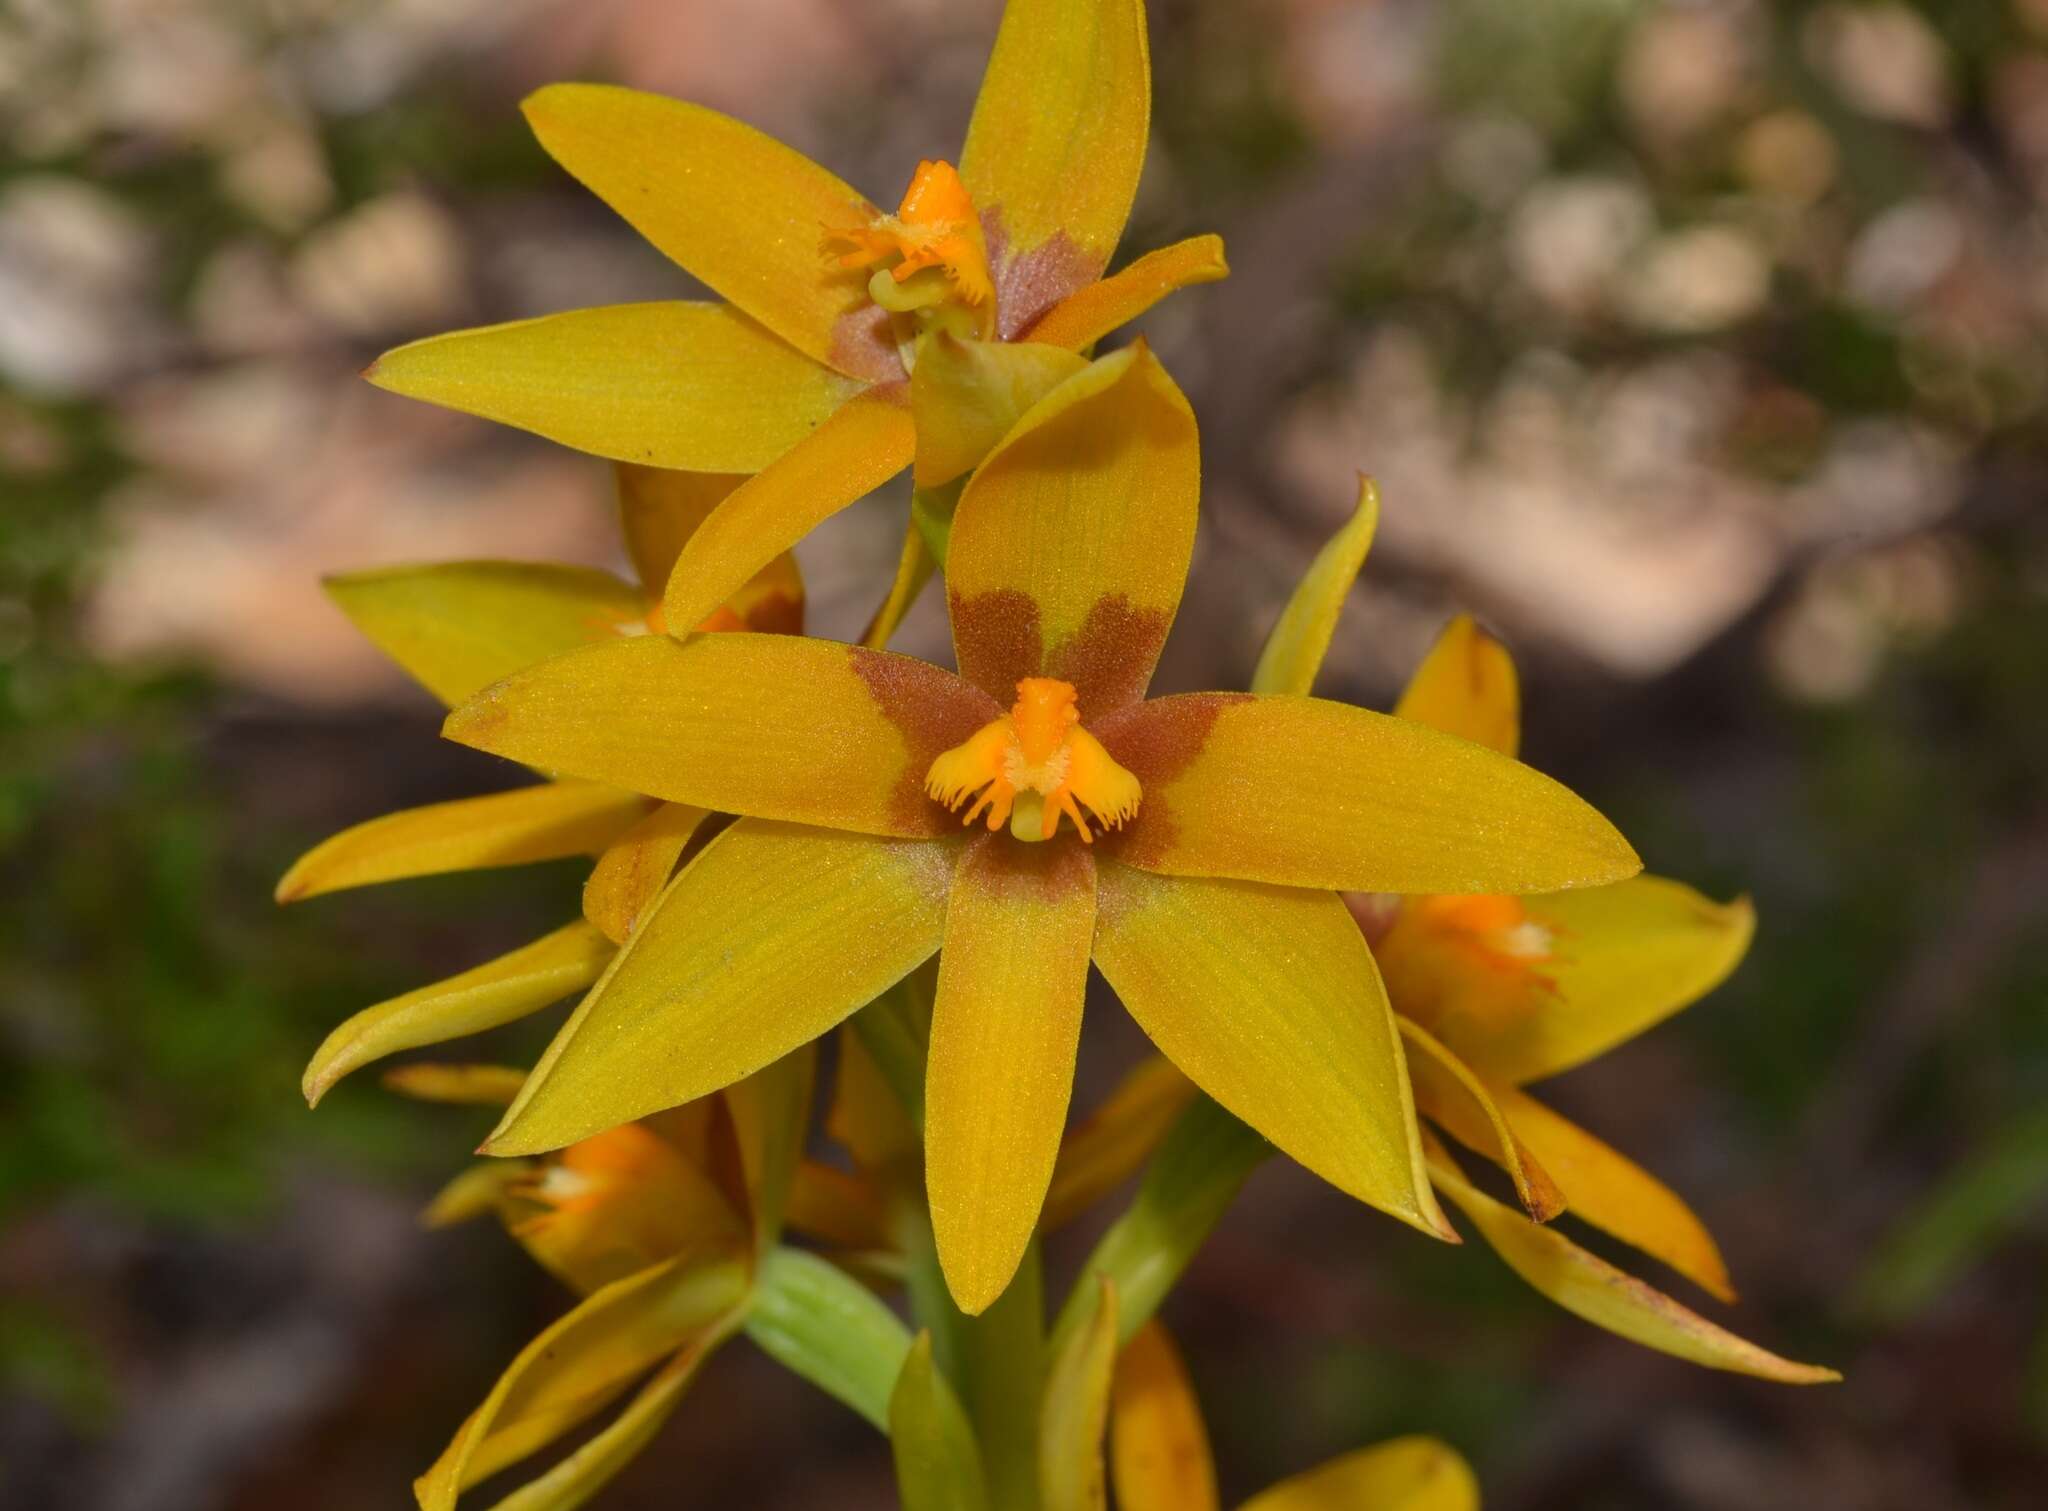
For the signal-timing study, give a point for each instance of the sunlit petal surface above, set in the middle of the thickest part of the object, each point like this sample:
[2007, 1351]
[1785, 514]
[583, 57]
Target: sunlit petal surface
[1452, 1096]
[1467, 686]
[636, 866]
[1094, 310]
[1294, 651]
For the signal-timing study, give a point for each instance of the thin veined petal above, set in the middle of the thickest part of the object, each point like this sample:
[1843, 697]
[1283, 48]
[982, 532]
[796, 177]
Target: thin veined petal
[547, 822]
[461, 1085]
[1094, 310]
[938, 1462]
[1310, 793]
[1615, 1194]
[1056, 145]
[460, 626]
[733, 206]
[867, 441]
[677, 384]
[475, 1192]
[1075, 1409]
[914, 569]
[636, 866]
[592, 1466]
[659, 509]
[1406, 1474]
[1294, 651]
[778, 726]
[1012, 975]
[1071, 543]
[1449, 1094]
[1591, 1288]
[966, 395]
[1467, 686]
[1618, 960]
[582, 1363]
[1267, 999]
[773, 934]
[1106, 1149]
[510, 987]
[1159, 1457]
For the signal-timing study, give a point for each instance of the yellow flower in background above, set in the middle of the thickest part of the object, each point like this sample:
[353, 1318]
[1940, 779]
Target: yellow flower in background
[457, 627]
[847, 340]
[1212, 910]
[661, 1227]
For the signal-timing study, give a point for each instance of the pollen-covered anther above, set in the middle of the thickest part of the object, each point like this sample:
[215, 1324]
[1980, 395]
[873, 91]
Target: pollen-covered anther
[1036, 763]
[936, 226]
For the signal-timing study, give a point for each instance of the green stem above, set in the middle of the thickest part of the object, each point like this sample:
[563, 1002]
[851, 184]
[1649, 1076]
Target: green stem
[824, 1325]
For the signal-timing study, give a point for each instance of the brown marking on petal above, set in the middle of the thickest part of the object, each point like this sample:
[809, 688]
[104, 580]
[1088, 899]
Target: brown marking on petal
[864, 345]
[1156, 741]
[1050, 869]
[998, 639]
[776, 614]
[1109, 659]
[1031, 282]
[936, 711]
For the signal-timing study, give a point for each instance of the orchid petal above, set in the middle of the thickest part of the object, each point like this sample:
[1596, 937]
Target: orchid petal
[773, 934]
[1159, 1450]
[460, 1085]
[1071, 543]
[1310, 793]
[460, 626]
[1267, 999]
[914, 568]
[547, 822]
[778, 726]
[966, 395]
[636, 866]
[867, 441]
[498, 992]
[1106, 1149]
[1406, 1474]
[1095, 309]
[1056, 145]
[1012, 974]
[1294, 651]
[938, 1464]
[1075, 1409]
[1467, 686]
[1449, 1094]
[771, 1116]
[660, 509]
[476, 1191]
[732, 205]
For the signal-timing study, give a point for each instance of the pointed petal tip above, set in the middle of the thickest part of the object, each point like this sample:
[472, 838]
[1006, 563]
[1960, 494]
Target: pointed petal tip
[290, 887]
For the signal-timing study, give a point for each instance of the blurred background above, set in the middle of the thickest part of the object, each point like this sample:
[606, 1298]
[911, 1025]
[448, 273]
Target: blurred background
[1700, 348]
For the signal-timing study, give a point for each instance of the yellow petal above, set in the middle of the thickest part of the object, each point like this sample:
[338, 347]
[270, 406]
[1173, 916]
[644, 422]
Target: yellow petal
[736, 208]
[546, 822]
[474, 1192]
[1103, 1152]
[768, 938]
[778, 726]
[1294, 651]
[460, 626]
[965, 396]
[1406, 1474]
[462, 1085]
[509, 987]
[1622, 959]
[687, 385]
[867, 1118]
[636, 866]
[771, 1119]
[1012, 974]
[1450, 1095]
[914, 568]
[1467, 686]
[837, 1207]
[867, 441]
[1589, 1287]
[1056, 145]
[1159, 1449]
[1267, 999]
[1310, 793]
[659, 509]
[1076, 1410]
[1613, 1193]
[1071, 544]
[938, 1464]
[1094, 310]
[582, 1363]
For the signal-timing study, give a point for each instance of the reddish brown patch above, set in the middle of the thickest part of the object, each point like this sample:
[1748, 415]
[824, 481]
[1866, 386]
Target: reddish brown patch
[864, 346]
[1156, 741]
[936, 711]
[1109, 659]
[1030, 283]
[998, 640]
[1048, 871]
[776, 614]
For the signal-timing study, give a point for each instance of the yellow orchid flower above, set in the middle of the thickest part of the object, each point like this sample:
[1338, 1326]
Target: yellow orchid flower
[661, 1227]
[1211, 908]
[848, 340]
[458, 626]
[1491, 989]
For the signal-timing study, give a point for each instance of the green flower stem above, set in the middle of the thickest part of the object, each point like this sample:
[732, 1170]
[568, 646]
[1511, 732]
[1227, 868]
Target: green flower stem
[821, 1323]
